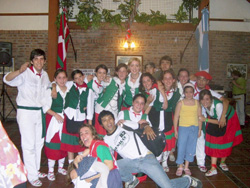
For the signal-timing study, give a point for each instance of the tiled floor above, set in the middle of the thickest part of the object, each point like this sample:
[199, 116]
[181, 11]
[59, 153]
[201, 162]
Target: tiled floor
[238, 162]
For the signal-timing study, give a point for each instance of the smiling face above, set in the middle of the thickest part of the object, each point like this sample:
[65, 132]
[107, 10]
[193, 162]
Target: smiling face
[61, 79]
[147, 83]
[38, 63]
[134, 67]
[183, 77]
[150, 69]
[122, 73]
[189, 92]
[206, 101]
[78, 78]
[138, 104]
[108, 124]
[168, 81]
[202, 82]
[101, 74]
[86, 136]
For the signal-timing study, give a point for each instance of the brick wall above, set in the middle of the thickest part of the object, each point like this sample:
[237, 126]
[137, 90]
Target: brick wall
[101, 46]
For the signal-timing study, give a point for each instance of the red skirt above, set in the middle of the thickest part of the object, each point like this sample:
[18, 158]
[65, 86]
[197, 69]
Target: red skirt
[99, 129]
[222, 146]
[69, 141]
[170, 140]
[52, 149]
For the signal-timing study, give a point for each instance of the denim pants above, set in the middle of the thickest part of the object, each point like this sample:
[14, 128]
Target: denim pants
[150, 166]
[187, 140]
[240, 108]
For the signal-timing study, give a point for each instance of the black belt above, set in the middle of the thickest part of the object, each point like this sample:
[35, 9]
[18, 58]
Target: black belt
[238, 94]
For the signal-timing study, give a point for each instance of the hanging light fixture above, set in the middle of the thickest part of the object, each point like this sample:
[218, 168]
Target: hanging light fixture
[129, 45]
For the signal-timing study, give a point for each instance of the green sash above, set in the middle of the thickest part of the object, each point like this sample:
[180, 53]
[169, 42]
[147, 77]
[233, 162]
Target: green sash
[43, 116]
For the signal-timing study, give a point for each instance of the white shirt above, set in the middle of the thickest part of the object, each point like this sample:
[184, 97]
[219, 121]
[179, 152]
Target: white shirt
[218, 109]
[31, 88]
[123, 142]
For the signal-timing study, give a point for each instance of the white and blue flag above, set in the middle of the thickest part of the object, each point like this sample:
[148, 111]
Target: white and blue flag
[201, 35]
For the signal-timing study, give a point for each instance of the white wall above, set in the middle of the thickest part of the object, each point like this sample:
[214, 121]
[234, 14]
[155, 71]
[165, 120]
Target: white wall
[24, 22]
[230, 9]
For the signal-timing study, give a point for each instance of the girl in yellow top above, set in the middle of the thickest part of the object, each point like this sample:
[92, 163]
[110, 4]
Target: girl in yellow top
[187, 112]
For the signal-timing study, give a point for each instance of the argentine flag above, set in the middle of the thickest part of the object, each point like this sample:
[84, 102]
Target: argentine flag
[201, 35]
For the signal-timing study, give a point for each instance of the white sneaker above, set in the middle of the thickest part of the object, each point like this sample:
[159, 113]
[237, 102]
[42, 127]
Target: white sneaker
[165, 167]
[211, 172]
[62, 171]
[132, 184]
[51, 176]
[194, 182]
[172, 158]
[36, 183]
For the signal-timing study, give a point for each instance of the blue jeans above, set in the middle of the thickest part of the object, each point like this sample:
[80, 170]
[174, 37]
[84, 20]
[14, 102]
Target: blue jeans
[150, 166]
[187, 140]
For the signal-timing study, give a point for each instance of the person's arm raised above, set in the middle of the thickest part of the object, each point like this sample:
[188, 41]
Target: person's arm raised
[16, 73]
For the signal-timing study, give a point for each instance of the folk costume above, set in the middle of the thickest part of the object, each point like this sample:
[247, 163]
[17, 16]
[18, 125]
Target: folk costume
[110, 100]
[131, 89]
[30, 100]
[220, 141]
[76, 103]
[54, 131]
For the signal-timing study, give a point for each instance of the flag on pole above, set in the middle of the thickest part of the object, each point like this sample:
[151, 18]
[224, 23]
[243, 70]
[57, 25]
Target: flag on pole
[63, 41]
[201, 35]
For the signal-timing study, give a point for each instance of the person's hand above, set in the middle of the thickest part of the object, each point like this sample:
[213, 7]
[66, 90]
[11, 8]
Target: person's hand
[141, 122]
[202, 118]
[150, 99]
[77, 160]
[199, 134]
[149, 132]
[222, 122]
[90, 77]
[59, 118]
[176, 134]
[165, 105]
[107, 79]
[53, 91]
[23, 67]
[120, 122]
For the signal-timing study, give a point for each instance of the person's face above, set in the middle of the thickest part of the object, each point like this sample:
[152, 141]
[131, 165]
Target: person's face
[134, 67]
[122, 73]
[168, 80]
[183, 77]
[147, 83]
[202, 82]
[189, 93]
[79, 79]
[150, 69]
[108, 124]
[38, 63]
[61, 79]
[101, 74]
[86, 136]
[165, 65]
[138, 104]
[206, 101]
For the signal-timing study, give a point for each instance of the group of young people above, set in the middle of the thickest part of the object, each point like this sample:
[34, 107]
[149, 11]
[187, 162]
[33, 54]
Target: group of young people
[95, 110]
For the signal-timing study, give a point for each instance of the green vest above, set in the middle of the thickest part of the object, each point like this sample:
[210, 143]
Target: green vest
[230, 110]
[73, 97]
[108, 95]
[157, 104]
[129, 98]
[173, 101]
[127, 117]
[57, 104]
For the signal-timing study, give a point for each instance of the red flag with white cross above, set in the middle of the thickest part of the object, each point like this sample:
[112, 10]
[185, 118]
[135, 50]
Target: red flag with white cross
[63, 41]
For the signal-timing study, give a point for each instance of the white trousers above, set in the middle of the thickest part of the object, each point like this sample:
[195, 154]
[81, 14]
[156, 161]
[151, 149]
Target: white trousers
[30, 127]
[240, 108]
[200, 150]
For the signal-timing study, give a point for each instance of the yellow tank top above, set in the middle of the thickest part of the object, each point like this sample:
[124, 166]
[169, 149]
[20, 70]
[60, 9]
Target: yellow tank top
[189, 115]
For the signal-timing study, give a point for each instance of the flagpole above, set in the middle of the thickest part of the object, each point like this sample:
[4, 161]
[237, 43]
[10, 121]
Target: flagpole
[182, 53]
[75, 52]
